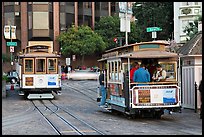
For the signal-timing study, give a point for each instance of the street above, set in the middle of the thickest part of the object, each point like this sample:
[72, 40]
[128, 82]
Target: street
[22, 117]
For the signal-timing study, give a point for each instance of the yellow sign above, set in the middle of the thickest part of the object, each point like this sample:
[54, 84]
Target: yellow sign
[144, 96]
[29, 81]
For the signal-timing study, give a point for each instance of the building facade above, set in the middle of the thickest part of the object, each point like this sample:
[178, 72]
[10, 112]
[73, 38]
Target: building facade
[44, 21]
[184, 12]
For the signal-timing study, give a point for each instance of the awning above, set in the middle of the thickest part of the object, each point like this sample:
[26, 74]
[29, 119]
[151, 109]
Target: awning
[145, 54]
[42, 54]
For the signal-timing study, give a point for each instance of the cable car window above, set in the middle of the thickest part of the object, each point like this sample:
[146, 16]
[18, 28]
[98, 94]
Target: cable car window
[40, 65]
[52, 65]
[29, 63]
[170, 68]
[115, 70]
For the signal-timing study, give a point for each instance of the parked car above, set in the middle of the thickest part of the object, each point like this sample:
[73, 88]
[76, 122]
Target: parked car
[13, 77]
[83, 75]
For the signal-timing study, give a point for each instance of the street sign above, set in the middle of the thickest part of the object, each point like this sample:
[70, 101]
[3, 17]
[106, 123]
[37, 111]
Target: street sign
[154, 34]
[153, 29]
[74, 57]
[11, 43]
[11, 49]
[10, 32]
[68, 61]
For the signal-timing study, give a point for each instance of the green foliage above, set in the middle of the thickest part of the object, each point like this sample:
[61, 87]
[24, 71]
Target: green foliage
[4, 77]
[109, 28]
[154, 14]
[192, 28]
[5, 57]
[80, 41]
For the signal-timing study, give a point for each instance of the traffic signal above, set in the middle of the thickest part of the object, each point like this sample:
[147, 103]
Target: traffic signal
[115, 40]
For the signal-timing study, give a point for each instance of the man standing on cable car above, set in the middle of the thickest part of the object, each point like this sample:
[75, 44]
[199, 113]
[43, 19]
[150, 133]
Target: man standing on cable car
[102, 89]
[141, 75]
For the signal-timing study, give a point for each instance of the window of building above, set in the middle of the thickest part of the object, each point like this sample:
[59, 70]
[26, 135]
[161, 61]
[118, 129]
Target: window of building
[18, 22]
[40, 65]
[8, 3]
[9, 18]
[62, 3]
[62, 22]
[40, 2]
[87, 20]
[70, 3]
[69, 20]
[30, 20]
[52, 65]
[80, 5]
[196, 3]
[87, 5]
[97, 5]
[40, 20]
[17, 3]
[29, 65]
[104, 5]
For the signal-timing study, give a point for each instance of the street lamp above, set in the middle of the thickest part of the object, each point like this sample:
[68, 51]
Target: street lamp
[125, 10]
[126, 33]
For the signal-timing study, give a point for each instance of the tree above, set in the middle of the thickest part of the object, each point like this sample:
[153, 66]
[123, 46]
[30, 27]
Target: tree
[109, 28]
[81, 40]
[192, 28]
[5, 57]
[154, 14]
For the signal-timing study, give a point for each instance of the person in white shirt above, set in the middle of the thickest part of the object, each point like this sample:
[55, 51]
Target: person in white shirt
[160, 74]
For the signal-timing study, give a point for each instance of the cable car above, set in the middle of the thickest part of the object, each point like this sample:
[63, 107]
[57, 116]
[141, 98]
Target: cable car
[132, 98]
[39, 71]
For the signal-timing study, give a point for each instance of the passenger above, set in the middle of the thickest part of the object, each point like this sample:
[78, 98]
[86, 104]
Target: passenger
[135, 66]
[160, 74]
[152, 68]
[66, 69]
[62, 68]
[200, 89]
[141, 75]
[102, 89]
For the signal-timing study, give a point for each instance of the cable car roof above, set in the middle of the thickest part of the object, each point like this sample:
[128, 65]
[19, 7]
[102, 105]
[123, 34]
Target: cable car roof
[144, 54]
[39, 54]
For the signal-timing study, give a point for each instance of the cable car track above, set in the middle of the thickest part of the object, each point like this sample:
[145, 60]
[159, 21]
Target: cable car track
[79, 89]
[65, 124]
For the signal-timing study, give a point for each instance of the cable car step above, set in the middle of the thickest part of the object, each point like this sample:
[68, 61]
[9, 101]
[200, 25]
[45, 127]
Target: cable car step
[40, 96]
[21, 93]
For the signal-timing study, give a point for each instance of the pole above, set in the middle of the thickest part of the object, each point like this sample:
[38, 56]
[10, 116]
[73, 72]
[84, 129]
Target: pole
[126, 33]
[121, 41]
[11, 52]
[129, 72]
[195, 98]
[154, 24]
